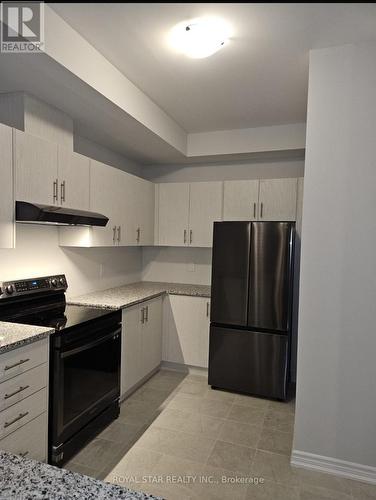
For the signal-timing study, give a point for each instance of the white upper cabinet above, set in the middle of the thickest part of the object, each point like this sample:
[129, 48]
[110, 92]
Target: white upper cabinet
[6, 183]
[106, 197]
[205, 207]
[173, 216]
[186, 213]
[138, 202]
[74, 179]
[35, 169]
[240, 200]
[277, 199]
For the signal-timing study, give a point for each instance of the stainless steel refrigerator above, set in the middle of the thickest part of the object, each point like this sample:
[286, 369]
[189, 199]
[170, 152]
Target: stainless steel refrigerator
[251, 305]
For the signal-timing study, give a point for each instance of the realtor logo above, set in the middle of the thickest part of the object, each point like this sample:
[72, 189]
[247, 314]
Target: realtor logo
[22, 27]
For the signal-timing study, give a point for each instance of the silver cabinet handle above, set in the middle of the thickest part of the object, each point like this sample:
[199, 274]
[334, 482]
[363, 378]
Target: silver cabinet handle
[21, 415]
[119, 234]
[143, 315]
[62, 192]
[207, 309]
[185, 236]
[146, 314]
[138, 235]
[55, 188]
[20, 362]
[7, 396]
[114, 234]
[190, 236]
[254, 210]
[23, 455]
[261, 210]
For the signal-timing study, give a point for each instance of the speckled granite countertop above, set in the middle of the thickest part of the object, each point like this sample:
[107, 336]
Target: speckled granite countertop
[128, 295]
[14, 335]
[25, 479]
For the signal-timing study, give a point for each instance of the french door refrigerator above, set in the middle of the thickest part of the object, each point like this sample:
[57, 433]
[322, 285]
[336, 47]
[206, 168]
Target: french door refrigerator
[251, 305]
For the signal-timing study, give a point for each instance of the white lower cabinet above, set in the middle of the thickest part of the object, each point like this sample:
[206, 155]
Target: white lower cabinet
[141, 342]
[24, 400]
[186, 330]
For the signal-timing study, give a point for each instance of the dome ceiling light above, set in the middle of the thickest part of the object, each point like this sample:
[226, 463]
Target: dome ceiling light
[200, 37]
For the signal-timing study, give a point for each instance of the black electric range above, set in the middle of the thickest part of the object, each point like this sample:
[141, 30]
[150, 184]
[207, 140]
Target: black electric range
[84, 385]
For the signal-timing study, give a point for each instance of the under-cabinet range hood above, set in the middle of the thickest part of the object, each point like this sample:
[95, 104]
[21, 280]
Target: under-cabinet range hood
[33, 213]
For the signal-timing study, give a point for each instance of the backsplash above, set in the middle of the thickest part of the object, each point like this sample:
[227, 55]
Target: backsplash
[37, 253]
[177, 265]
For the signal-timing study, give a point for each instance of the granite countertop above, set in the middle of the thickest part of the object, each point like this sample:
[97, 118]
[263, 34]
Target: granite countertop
[28, 479]
[128, 295]
[14, 335]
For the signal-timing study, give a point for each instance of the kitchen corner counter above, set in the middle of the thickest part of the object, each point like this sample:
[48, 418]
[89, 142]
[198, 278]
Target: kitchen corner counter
[26, 478]
[129, 295]
[14, 335]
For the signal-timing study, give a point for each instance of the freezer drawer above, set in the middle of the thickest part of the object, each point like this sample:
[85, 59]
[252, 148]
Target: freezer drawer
[250, 362]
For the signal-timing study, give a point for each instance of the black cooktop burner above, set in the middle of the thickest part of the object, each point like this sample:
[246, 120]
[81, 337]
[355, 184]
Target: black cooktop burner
[62, 317]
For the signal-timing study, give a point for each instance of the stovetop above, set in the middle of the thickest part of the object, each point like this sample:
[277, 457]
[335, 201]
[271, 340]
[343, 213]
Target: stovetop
[41, 302]
[62, 317]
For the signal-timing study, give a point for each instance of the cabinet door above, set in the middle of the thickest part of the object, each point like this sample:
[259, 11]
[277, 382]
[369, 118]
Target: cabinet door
[173, 214]
[74, 179]
[152, 335]
[131, 349]
[131, 203]
[278, 199]
[104, 199]
[185, 322]
[36, 169]
[240, 200]
[205, 207]
[204, 338]
[147, 212]
[6, 183]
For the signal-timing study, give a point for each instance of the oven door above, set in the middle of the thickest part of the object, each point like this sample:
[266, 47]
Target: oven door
[86, 378]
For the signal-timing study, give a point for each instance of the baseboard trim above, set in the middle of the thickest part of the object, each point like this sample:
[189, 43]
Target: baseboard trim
[349, 470]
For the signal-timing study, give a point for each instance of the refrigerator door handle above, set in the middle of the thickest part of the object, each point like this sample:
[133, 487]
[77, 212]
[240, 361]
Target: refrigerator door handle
[254, 210]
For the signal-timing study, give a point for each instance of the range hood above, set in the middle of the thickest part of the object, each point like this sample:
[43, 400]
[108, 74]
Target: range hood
[33, 213]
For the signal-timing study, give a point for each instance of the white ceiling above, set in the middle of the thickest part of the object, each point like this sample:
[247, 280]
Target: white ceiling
[259, 79]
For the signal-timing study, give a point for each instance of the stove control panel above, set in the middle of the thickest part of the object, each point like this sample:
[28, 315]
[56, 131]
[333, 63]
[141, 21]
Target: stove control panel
[33, 285]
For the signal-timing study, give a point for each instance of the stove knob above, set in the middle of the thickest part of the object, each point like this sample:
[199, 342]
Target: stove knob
[54, 282]
[61, 281]
[9, 289]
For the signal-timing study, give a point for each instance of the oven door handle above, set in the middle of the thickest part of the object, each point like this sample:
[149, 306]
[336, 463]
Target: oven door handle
[114, 334]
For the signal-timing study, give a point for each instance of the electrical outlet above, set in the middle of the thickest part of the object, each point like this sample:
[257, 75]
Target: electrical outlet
[100, 271]
[191, 267]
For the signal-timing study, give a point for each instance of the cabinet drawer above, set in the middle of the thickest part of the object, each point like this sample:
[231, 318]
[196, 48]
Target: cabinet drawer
[20, 387]
[30, 440]
[22, 412]
[20, 360]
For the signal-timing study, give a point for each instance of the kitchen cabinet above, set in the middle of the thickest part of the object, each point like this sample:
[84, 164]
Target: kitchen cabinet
[49, 174]
[6, 182]
[186, 212]
[186, 330]
[240, 200]
[139, 201]
[36, 170]
[106, 197]
[173, 214]
[74, 179]
[141, 342]
[277, 199]
[205, 207]
[24, 400]
[264, 199]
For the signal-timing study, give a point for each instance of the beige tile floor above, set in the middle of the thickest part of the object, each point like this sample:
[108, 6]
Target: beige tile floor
[179, 439]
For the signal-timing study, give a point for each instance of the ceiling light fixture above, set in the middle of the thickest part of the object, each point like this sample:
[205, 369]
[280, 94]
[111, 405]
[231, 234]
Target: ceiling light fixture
[199, 38]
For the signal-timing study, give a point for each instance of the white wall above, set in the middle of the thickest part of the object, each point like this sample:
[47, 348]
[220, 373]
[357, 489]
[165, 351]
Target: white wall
[336, 396]
[37, 254]
[260, 169]
[100, 153]
[177, 265]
